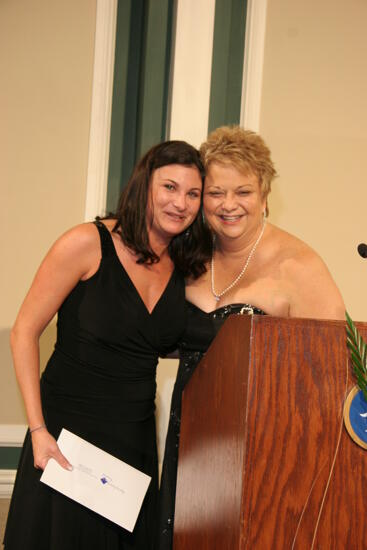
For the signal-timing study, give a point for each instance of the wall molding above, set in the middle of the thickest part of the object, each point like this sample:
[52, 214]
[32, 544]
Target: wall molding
[253, 64]
[100, 125]
[12, 435]
[7, 478]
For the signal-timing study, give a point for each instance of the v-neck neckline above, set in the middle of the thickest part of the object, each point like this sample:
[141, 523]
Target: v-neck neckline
[131, 282]
[151, 312]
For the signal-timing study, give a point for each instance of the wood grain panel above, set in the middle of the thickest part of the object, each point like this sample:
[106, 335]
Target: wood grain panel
[265, 461]
[292, 407]
[209, 485]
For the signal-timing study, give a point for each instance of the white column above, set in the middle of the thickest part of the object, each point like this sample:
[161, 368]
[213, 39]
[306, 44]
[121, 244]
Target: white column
[99, 137]
[253, 64]
[192, 68]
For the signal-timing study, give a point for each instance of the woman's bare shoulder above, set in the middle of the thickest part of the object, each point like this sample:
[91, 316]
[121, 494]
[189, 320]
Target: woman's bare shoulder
[292, 251]
[78, 250]
[80, 238]
[311, 286]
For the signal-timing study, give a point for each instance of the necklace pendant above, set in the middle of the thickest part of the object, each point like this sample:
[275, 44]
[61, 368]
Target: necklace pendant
[217, 298]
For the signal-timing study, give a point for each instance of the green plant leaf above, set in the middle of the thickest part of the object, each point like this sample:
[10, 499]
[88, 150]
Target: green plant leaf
[358, 354]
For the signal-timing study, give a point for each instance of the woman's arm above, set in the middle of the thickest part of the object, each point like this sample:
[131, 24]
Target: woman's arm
[73, 257]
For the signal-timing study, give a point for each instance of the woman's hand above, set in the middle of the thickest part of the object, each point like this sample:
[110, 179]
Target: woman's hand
[44, 448]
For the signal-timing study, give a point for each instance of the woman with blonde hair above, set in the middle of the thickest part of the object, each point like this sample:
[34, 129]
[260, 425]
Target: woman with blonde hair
[255, 268]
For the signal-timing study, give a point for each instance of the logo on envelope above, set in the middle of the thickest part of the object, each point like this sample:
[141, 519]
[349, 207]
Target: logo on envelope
[105, 479]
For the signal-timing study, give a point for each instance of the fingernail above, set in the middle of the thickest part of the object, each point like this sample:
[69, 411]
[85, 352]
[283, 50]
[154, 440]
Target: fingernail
[70, 468]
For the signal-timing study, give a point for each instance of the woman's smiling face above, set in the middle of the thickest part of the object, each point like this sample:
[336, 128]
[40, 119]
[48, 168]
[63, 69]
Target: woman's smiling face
[175, 196]
[233, 202]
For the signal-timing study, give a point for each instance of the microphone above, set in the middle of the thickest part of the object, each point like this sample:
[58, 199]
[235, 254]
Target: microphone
[362, 250]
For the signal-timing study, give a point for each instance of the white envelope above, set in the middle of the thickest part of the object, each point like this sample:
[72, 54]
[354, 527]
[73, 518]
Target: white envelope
[99, 481]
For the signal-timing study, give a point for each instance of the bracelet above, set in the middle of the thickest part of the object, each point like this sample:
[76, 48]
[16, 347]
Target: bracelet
[38, 428]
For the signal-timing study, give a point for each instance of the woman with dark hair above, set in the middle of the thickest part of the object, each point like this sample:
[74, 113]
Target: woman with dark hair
[117, 285]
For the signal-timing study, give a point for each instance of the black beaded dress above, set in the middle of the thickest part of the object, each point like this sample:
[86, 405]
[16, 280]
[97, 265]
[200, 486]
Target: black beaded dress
[100, 384]
[200, 331]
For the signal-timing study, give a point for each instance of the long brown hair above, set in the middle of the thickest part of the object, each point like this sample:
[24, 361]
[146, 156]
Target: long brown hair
[189, 250]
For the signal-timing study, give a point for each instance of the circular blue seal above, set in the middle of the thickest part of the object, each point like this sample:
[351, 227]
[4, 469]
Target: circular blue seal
[355, 416]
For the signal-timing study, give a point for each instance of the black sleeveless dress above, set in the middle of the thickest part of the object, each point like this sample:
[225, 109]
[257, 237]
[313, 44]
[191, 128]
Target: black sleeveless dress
[200, 331]
[100, 384]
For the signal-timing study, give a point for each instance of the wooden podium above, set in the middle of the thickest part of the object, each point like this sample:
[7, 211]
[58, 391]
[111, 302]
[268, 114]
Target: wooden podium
[265, 461]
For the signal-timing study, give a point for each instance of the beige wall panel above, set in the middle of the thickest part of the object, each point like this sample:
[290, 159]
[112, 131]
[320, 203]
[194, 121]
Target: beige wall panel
[314, 119]
[46, 63]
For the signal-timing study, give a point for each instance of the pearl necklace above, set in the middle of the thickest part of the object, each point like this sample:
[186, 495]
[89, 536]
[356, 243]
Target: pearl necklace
[218, 296]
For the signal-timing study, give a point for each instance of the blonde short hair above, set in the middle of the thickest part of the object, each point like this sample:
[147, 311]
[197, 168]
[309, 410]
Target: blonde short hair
[241, 149]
